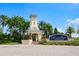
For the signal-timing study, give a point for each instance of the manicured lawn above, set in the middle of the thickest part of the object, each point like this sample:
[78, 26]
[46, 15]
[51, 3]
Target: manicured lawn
[54, 42]
[10, 43]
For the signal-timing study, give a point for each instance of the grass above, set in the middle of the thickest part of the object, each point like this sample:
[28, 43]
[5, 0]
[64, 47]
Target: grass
[9, 43]
[53, 42]
[76, 38]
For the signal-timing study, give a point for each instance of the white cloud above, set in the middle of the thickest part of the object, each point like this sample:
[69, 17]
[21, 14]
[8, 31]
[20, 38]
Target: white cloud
[73, 22]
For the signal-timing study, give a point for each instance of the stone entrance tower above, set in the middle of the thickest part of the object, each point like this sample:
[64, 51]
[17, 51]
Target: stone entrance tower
[33, 30]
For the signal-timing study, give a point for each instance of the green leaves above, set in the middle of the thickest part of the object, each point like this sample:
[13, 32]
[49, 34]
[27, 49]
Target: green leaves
[3, 20]
[70, 30]
[17, 25]
[56, 31]
[46, 27]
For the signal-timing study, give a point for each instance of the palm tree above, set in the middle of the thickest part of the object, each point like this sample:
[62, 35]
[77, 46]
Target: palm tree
[4, 20]
[17, 24]
[70, 30]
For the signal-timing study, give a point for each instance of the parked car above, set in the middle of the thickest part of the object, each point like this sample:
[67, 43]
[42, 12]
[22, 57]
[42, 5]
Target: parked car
[58, 37]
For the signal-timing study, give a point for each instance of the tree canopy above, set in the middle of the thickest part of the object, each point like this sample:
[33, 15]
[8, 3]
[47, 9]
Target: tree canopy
[55, 31]
[70, 30]
[3, 20]
[46, 27]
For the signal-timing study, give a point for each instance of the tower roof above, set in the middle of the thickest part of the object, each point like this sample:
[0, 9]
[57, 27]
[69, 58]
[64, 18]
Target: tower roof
[33, 15]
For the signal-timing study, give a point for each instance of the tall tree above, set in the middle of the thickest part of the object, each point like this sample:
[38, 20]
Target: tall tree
[70, 30]
[4, 20]
[55, 31]
[46, 28]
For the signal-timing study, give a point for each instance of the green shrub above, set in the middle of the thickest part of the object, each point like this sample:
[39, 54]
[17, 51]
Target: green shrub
[6, 38]
[43, 42]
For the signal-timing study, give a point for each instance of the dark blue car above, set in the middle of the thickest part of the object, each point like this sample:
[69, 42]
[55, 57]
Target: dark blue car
[58, 37]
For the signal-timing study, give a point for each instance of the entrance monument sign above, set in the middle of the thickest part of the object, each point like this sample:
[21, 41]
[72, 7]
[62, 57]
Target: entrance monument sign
[58, 37]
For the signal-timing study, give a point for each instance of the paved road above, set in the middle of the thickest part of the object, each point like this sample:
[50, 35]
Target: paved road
[38, 50]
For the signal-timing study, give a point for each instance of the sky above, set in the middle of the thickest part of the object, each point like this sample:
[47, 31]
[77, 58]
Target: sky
[59, 15]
